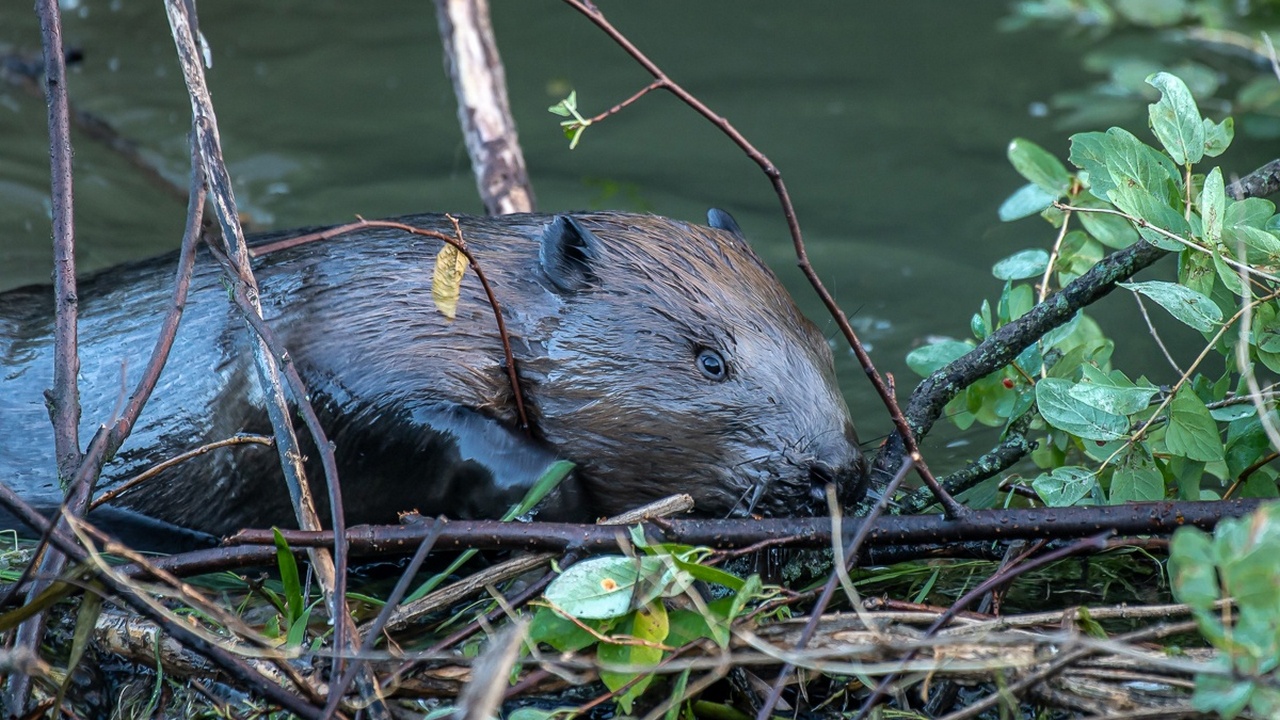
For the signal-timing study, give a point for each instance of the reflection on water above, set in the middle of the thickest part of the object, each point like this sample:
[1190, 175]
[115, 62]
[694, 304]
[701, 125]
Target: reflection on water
[888, 120]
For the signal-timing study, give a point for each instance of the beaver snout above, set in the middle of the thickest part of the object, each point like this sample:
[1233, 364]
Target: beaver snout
[849, 480]
[843, 467]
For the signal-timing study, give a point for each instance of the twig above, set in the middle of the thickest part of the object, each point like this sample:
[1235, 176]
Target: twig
[849, 559]
[1155, 335]
[64, 399]
[231, 664]
[457, 241]
[1145, 518]
[1011, 449]
[160, 467]
[330, 570]
[593, 13]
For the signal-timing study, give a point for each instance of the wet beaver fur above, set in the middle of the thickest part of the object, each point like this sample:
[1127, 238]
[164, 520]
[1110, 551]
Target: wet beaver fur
[658, 356]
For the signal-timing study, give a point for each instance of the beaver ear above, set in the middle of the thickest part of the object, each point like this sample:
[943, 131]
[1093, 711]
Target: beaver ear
[721, 220]
[568, 254]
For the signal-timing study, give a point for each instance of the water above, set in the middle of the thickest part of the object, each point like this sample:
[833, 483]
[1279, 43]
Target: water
[889, 122]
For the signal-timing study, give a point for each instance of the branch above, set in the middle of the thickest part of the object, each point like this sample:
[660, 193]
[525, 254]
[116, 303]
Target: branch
[1260, 183]
[1156, 518]
[480, 83]
[330, 570]
[233, 665]
[771, 171]
[1002, 346]
[64, 398]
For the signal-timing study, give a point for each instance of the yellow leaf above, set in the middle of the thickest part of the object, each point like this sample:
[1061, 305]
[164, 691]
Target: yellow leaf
[446, 281]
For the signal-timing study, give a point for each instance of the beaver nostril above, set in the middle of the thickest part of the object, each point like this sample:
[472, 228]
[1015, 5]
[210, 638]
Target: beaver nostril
[820, 476]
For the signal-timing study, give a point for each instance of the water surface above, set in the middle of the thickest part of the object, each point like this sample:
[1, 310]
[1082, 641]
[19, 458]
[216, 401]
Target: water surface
[889, 122]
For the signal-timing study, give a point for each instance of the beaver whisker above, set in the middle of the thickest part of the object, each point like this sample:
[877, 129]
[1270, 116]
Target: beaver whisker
[757, 490]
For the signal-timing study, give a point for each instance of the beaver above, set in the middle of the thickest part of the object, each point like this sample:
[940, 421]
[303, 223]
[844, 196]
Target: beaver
[658, 356]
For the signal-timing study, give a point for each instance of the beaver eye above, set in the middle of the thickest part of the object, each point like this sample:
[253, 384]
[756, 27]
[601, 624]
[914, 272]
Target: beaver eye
[712, 364]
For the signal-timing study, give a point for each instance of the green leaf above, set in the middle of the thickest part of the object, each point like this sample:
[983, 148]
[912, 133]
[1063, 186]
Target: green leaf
[1185, 304]
[611, 585]
[1064, 486]
[1015, 301]
[1153, 13]
[550, 479]
[1266, 335]
[1136, 480]
[597, 588]
[713, 575]
[928, 359]
[298, 629]
[1156, 212]
[1036, 164]
[1025, 201]
[1111, 230]
[1261, 247]
[294, 602]
[567, 107]
[1229, 276]
[1079, 253]
[1021, 265]
[1089, 152]
[561, 633]
[1252, 212]
[1135, 163]
[1218, 136]
[1213, 201]
[1113, 398]
[1191, 568]
[648, 623]
[1062, 411]
[1176, 120]
[1192, 433]
[1221, 694]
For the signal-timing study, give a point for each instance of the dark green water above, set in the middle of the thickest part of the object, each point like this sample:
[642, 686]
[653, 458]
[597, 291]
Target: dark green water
[889, 122]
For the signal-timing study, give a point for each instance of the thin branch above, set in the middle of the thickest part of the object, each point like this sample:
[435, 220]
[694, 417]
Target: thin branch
[1155, 335]
[234, 666]
[842, 564]
[593, 13]
[330, 569]
[178, 459]
[1147, 518]
[64, 398]
[457, 241]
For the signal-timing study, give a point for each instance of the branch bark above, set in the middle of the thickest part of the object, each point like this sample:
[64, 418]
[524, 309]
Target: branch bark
[480, 83]
[1068, 523]
[64, 398]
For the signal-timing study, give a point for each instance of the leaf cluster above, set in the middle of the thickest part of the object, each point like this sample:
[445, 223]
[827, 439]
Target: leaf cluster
[1236, 563]
[615, 605]
[1111, 436]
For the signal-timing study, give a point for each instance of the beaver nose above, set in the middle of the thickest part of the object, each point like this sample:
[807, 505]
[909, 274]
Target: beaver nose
[820, 476]
[844, 467]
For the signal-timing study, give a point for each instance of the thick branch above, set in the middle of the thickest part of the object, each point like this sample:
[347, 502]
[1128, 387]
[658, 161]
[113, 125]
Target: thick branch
[998, 524]
[480, 83]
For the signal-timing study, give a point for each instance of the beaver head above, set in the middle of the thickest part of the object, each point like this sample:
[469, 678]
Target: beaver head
[678, 363]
